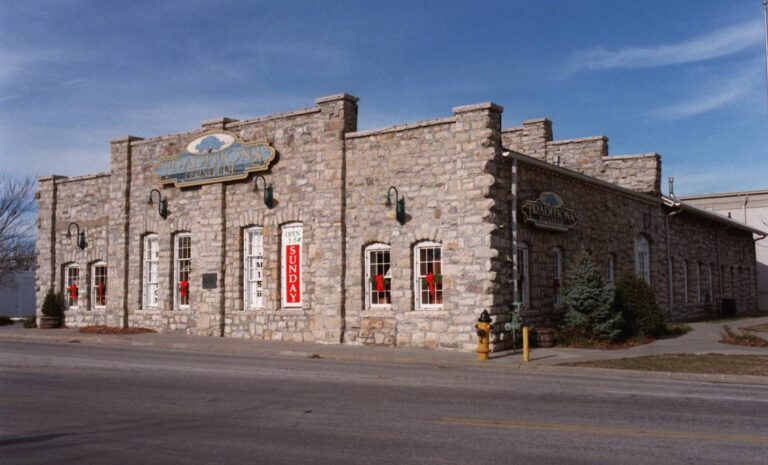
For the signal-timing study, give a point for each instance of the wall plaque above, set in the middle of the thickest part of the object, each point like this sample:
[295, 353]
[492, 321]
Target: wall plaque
[548, 212]
[215, 157]
[210, 280]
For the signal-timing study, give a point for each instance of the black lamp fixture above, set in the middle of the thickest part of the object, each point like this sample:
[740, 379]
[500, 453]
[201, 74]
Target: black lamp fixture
[647, 219]
[268, 198]
[162, 204]
[400, 208]
[80, 235]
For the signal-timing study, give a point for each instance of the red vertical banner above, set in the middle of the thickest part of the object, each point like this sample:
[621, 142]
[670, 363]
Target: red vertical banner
[293, 274]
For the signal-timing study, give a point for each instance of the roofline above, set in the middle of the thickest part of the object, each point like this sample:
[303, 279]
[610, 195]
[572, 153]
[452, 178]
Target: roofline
[723, 194]
[662, 199]
[676, 203]
[582, 177]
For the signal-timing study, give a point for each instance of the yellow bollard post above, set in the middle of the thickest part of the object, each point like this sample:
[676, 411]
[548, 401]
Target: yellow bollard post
[525, 344]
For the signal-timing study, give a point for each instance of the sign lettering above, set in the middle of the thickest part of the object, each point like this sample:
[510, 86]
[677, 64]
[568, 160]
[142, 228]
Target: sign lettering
[215, 157]
[548, 212]
[291, 264]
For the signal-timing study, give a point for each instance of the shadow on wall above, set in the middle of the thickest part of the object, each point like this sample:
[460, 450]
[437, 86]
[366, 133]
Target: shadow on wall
[18, 297]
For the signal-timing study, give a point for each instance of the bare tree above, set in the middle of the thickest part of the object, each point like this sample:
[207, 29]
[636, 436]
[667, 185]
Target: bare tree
[17, 247]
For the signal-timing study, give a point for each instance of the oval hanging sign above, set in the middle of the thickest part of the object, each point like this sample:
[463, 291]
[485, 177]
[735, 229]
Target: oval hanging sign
[215, 157]
[549, 212]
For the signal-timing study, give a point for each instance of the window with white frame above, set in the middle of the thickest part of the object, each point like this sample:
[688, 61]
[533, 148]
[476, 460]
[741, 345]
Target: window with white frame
[72, 285]
[523, 282]
[428, 277]
[557, 274]
[150, 279]
[253, 268]
[685, 281]
[378, 276]
[182, 269]
[611, 275]
[99, 284]
[643, 259]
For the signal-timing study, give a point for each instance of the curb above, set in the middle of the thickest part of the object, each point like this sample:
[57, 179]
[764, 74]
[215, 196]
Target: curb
[394, 358]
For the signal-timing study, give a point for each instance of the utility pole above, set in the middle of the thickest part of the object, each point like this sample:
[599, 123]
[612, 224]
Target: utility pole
[765, 23]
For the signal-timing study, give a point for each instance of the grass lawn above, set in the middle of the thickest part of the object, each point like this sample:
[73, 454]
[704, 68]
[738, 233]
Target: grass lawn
[688, 363]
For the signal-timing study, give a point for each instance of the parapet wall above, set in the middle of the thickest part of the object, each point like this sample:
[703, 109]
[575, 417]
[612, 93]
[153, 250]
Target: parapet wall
[587, 155]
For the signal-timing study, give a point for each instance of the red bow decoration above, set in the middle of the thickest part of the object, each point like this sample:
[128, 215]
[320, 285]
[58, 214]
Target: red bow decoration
[379, 278]
[431, 283]
[184, 288]
[99, 291]
[73, 292]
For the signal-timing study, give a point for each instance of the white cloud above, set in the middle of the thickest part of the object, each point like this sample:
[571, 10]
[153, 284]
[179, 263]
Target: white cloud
[719, 43]
[716, 93]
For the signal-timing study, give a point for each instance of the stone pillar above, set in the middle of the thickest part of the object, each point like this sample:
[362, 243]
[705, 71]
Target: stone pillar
[339, 113]
[482, 142]
[536, 134]
[45, 271]
[119, 246]
[210, 246]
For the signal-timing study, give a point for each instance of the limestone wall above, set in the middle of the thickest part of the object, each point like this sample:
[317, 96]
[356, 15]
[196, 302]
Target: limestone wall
[446, 171]
[609, 222]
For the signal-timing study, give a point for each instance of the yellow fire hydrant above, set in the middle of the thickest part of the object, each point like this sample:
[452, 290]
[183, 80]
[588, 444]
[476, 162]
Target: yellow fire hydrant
[484, 328]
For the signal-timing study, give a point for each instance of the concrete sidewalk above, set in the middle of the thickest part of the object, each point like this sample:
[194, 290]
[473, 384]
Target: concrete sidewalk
[701, 340]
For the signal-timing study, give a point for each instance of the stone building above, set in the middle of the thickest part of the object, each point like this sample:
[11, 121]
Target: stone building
[750, 207]
[277, 228]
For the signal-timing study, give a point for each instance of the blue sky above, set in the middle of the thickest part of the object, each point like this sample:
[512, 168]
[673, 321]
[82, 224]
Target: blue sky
[682, 78]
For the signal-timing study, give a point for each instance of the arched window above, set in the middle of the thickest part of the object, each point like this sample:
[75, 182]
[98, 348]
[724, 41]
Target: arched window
[253, 268]
[72, 285]
[643, 258]
[523, 281]
[99, 284]
[611, 270]
[685, 281]
[557, 274]
[182, 269]
[427, 273]
[378, 276]
[150, 280]
[698, 283]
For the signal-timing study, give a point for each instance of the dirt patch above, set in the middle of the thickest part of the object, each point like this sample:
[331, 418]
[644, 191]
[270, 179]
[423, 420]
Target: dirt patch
[728, 336]
[688, 363]
[102, 329]
[763, 328]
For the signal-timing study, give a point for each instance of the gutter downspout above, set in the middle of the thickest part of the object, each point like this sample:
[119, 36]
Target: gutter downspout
[513, 192]
[670, 289]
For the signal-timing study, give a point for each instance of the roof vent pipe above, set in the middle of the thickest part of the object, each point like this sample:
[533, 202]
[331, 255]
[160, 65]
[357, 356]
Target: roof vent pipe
[672, 187]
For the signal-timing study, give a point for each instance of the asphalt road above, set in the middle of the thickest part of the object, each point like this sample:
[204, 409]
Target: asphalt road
[87, 404]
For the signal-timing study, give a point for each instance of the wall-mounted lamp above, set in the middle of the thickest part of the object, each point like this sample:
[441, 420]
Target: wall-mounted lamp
[647, 219]
[400, 209]
[162, 204]
[80, 235]
[268, 198]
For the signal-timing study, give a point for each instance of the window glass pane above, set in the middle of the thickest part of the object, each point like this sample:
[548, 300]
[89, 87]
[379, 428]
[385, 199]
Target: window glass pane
[378, 280]
[429, 280]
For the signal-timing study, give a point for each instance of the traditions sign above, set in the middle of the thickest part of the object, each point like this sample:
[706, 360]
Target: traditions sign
[548, 212]
[291, 257]
[215, 157]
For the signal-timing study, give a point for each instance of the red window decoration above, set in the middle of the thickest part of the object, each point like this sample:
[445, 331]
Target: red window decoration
[379, 280]
[73, 292]
[184, 288]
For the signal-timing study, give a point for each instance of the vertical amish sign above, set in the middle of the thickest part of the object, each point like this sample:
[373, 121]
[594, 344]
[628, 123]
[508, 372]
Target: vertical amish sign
[291, 266]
